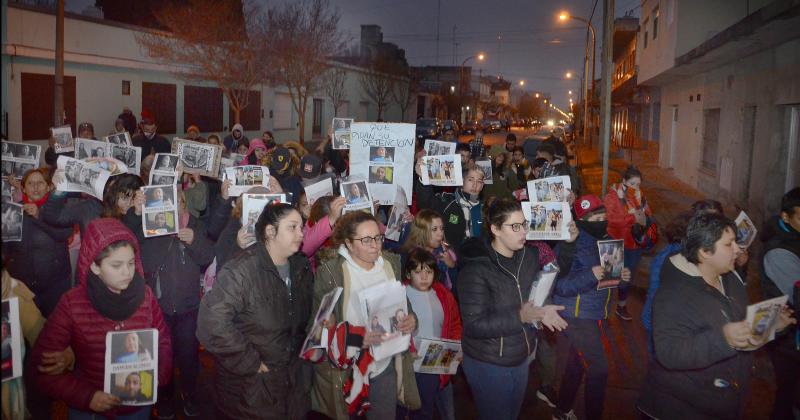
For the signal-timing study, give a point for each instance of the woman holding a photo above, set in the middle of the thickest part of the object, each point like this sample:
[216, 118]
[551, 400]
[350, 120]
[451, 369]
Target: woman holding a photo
[498, 338]
[358, 262]
[256, 345]
[111, 297]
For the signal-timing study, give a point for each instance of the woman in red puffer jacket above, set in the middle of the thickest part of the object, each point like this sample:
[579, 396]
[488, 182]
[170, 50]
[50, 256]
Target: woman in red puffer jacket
[112, 296]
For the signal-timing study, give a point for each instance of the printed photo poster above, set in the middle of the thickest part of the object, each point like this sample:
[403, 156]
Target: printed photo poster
[317, 188]
[131, 366]
[554, 188]
[123, 138]
[745, 230]
[612, 259]
[99, 151]
[113, 166]
[253, 205]
[160, 211]
[12, 221]
[317, 336]
[444, 170]
[19, 158]
[384, 305]
[357, 195]
[198, 158]
[543, 285]
[436, 147]
[486, 166]
[394, 223]
[63, 140]
[164, 170]
[547, 221]
[82, 176]
[12, 339]
[762, 318]
[7, 190]
[383, 154]
[341, 133]
[131, 156]
[437, 356]
[86, 148]
[245, 177]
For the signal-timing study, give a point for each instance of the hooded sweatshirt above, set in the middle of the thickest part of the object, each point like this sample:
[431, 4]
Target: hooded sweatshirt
[232, 143]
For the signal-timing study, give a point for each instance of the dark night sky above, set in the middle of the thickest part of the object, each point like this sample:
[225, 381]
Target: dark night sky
[535, 46]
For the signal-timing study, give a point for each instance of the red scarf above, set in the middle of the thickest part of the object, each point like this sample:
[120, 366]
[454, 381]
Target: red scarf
[39, 203]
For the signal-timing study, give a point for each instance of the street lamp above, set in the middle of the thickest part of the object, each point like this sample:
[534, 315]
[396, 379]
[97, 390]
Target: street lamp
[522, 83]
[564, 16]
[536, 96]
[568, 75]
[480, 57]
[570, 92]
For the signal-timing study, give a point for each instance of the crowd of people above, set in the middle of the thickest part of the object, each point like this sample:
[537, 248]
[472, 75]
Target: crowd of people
[249, 297]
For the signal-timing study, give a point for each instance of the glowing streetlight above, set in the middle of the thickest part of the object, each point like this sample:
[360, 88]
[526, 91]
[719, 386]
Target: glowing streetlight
[481, 57]
[570, 92]
[452, 89]
[536, 96]
[522, 83]
[568, 75]
[563, 16]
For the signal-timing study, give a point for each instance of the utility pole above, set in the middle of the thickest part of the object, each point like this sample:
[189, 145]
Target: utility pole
[58, 93]
[605, 103]
[455, 46]
[438, 14]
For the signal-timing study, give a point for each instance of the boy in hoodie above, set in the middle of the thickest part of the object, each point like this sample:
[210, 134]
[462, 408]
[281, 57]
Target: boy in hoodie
[235, 138]
[585, 309]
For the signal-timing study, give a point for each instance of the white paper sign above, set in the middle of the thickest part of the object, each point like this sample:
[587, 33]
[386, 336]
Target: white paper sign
[745, 230]
[253, 205]
[762, 318]
[318, 188]
[198, 158]
[81, 176]
[12, 339]
[437, 356]
[164, 169]
[384, 306]
[341, 133]
[442, 170]
[131, 367]
[486, 166]
[554, 188]
[245, 177]
[119, 138]
[357, 196]
[543, 285]
[160, 211]
[436, 147]
[383, 153]
[64, 142]
[19, 158]
[12, 221]
[547, 221]
[130, 156]
[315, 339]
[394, 224]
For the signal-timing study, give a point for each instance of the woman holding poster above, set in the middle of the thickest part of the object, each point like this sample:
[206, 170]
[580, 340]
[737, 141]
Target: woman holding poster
[255, 345]
[111, 296]
[360, 262]
[498, 338]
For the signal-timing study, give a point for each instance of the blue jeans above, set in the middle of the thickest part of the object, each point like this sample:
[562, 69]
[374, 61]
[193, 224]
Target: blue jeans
[498, 390]
[433, 398]
[631, 261]
[142, 414]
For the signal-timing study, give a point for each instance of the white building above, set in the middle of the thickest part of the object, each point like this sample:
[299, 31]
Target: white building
[721, 95]
[105, 70]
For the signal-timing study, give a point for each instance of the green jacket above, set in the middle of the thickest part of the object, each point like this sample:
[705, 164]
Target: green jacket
[503, 184]
[326, 392]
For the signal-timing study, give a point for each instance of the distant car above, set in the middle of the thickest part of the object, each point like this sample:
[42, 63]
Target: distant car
[429, 128]
[495, 125]
[451, 125]
[470, 127]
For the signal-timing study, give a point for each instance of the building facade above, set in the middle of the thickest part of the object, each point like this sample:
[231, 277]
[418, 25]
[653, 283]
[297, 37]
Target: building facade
[720, 84]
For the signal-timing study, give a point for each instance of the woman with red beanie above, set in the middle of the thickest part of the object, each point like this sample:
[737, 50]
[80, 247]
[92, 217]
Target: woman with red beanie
[111, 296]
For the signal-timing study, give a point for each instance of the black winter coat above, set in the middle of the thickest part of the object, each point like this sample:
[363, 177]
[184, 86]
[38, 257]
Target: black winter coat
[57, 212]
[173, 269]
[695, 374]
[251, 317]
[41, 261]
[490, 297]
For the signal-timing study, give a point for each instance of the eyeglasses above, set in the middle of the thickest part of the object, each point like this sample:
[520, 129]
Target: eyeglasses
[369, 240]
[517, 226]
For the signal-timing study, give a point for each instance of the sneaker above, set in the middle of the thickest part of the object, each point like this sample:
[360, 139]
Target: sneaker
[548, 395]
[560, 415]
[164, 410]
[622, 313]
[190, 407]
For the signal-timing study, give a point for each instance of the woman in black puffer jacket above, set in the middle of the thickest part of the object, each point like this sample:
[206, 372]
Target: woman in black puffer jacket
[498, 337]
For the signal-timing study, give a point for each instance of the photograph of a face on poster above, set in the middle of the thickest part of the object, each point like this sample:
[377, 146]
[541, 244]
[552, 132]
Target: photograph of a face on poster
[356, 193]
[119, 138]
[341, 133]
[132, 346]
[441, 170]
[385, 307]
[436, 147]
[131, 368]
[381, 154]
[165, 162]
[63, 140]
[134, 388]
[158, 197]
[198, 158]
[555, 188]
[12, 339]
[548, 220]
[745, 230]
[19, 158]
[160, 223]
[245, 177]
[380, 174]
[253, 205]
[87, 148]
[161, 179]
[129, 155]
[612, 259]
[20, 168]
[82, 176]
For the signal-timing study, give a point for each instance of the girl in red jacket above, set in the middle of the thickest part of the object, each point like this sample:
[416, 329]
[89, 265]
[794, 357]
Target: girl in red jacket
[437, 312]
[112, 296]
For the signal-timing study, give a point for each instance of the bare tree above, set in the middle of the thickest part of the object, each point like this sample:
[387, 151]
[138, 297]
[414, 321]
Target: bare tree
[206, 41]
[378, 84]
[404, 94]
[297, 37]
[333, 83]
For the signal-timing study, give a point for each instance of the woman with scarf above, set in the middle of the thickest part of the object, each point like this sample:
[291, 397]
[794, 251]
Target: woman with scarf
[41, 259]
[111, 297]
[627, 207]
[359, 262]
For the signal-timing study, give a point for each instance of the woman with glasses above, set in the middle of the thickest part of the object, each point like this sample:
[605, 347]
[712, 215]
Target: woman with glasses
[461, 209]
[359, 262]
[254, 319]
[499, 337]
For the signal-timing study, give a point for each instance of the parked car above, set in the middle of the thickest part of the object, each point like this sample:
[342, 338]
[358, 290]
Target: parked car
[470, 127]
[429, 128]
[495, 125]
[451, 125]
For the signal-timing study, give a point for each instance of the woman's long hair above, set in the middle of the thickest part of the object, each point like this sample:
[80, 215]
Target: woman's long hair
[420, 234]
